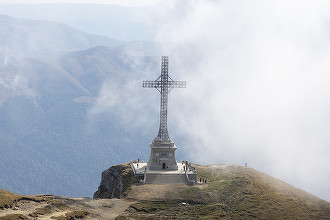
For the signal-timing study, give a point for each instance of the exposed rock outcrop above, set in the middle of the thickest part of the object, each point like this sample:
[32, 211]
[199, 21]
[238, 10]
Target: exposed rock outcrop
[115, 182]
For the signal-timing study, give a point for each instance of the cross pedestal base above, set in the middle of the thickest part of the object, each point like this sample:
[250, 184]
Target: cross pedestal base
[162, 156]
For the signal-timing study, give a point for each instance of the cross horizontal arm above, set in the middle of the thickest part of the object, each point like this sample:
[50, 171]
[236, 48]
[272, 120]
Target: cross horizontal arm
[169, 84]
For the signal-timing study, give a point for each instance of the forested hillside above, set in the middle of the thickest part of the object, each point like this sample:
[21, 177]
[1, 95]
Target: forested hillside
[53, 136]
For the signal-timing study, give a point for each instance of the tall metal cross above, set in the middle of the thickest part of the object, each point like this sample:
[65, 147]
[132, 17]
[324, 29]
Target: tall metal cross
[164, 84]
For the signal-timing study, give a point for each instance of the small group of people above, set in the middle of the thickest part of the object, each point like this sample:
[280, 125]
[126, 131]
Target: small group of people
[138, 161]
[187, 166]
[202, 181]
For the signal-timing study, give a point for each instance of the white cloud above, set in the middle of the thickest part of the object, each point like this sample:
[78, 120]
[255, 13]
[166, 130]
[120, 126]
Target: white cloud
[115, 2]
[17, 85]
[257, 85]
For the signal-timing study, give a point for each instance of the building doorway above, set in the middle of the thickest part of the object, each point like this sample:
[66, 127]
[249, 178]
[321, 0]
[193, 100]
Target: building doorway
[163, 166]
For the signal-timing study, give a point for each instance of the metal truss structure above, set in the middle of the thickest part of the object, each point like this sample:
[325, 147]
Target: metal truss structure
[164, 84]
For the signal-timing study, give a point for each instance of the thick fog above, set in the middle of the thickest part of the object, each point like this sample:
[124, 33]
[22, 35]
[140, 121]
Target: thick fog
[117, 2]
[258, 85]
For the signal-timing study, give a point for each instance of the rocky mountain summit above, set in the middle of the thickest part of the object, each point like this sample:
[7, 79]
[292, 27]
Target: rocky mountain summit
[231, 192]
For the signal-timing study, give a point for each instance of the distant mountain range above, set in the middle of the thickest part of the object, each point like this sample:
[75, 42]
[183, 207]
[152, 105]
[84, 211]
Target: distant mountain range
[52, 78]
[22, 37]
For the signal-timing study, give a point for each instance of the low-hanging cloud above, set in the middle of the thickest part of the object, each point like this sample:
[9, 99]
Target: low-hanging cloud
[17, 85]
[120, 98]
[13, 82]
[257, 85]
[122, 95]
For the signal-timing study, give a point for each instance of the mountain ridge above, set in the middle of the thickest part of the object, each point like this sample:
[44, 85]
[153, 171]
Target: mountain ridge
[48, 124]
[40, 38]
[231, 192]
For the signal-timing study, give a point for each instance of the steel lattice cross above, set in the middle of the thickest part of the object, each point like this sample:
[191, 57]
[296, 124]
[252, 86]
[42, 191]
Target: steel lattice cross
[164, 84]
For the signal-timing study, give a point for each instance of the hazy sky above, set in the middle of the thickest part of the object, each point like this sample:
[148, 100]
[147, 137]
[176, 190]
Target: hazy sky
[115, 2]
[113, 19]
[258, 83]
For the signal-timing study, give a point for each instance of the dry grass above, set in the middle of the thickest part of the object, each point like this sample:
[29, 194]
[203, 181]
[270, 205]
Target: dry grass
[232, 192]
[7, 199]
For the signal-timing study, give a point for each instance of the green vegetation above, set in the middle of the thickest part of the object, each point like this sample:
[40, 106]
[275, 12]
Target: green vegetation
[175, 210]
[231, 192]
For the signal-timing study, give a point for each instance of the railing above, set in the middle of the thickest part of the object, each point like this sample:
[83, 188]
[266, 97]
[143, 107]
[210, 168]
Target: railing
[135, 172]
[189, 180]
[144, 178]
[190, 168]
[132, 166]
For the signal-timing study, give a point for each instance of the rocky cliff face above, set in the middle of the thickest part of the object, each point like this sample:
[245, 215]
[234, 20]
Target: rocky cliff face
[116, 182]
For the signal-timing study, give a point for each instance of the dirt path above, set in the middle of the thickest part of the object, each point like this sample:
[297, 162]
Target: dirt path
[24, 207]
[97, 209]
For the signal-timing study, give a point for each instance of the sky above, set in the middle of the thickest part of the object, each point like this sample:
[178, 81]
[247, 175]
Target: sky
[258, 81]
[114, 19]
[257, 85]
[115, 2]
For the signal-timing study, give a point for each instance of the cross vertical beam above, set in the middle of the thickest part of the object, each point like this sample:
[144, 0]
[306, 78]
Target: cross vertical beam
[163, 132]
[164, 84]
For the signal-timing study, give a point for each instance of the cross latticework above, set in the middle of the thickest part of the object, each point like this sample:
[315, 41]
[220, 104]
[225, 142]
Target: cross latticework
[164, 84]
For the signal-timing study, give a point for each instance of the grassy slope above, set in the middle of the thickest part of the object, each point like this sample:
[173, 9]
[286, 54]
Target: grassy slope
[7, 199]
[232, 192]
